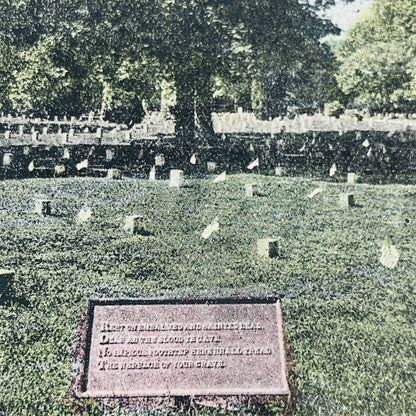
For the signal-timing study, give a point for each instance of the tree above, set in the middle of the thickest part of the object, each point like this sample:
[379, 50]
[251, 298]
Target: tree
[378, 58]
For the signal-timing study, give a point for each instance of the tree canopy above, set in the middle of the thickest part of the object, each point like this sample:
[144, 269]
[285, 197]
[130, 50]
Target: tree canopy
[378, 58]
[70, 57]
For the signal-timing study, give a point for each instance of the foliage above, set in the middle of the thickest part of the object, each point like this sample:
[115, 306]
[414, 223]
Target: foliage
[350, 321]
[271, 44]
[377, 58]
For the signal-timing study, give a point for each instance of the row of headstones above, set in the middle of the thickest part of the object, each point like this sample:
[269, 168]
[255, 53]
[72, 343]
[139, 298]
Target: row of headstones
[35, 135]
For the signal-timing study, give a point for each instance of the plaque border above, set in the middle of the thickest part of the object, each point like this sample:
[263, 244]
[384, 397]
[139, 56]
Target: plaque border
[82, 345]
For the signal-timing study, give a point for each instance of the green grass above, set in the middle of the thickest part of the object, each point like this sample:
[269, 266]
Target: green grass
[350, 320]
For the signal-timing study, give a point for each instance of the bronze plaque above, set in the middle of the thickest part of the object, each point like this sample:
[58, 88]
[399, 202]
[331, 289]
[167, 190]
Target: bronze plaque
[143, 348]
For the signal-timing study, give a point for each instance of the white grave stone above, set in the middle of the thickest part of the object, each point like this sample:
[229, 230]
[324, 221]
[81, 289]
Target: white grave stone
[160, 160]
[279, 171]
[176, 178]
[251, 189]
[109, 154]
[268, 247]
[127, 135]
[7, 159]
[66, 154]
[133, 224]
[99, 133]
[59, 170]
[346, 200]
[21, 130]
[7, 134]
[114, 174]
[35, 136]
[43, 207]
[71, 133]
[351, 178]
[211, 166]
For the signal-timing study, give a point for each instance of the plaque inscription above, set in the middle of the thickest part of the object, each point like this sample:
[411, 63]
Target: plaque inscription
[185, 349]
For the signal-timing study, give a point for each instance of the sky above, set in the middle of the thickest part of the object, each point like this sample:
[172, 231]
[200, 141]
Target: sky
[343, 15]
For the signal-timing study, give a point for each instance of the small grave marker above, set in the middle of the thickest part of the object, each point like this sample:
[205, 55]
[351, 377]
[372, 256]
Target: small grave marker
[21, 130]
[351, 178]
[7, 135]
[59, 170]
[45, 130]
[176, 178]
[268, 247]
[109, 155]
[279, 171]
[192, 161]
[99, 133]
[211, 166]
[7, 159]
[251, 189]
[133, 224]
[160, 160]
[6, 277]
[35, 136]
[346, 200]
[114, 174]
[43, 207]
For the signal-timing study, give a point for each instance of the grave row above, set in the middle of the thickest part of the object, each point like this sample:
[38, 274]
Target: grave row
[352, 151]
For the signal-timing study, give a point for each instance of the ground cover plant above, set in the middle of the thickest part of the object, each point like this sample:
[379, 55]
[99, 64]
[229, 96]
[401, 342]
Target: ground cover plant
[349, 319]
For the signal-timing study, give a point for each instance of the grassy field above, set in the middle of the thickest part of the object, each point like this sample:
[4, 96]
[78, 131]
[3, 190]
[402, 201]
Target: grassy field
[350, 320]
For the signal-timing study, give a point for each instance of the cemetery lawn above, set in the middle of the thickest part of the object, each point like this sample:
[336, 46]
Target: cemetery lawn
[350, 320]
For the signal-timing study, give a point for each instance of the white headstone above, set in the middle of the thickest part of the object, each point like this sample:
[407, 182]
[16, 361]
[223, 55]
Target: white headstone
[346, 200]
[7, 159]
[279, 171]
[114, 174]
[133, 224]
[66, 154]
[176, 178]
[35, 136]
[71, 133]
[45, 130]
[351, 177]
[211, 166]
[251, 189]
[21, 130]
[7, 134]
[109, 154]
[59, 169]
[268, 247]
[160, 160]
[43, 207]
[99, 133]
